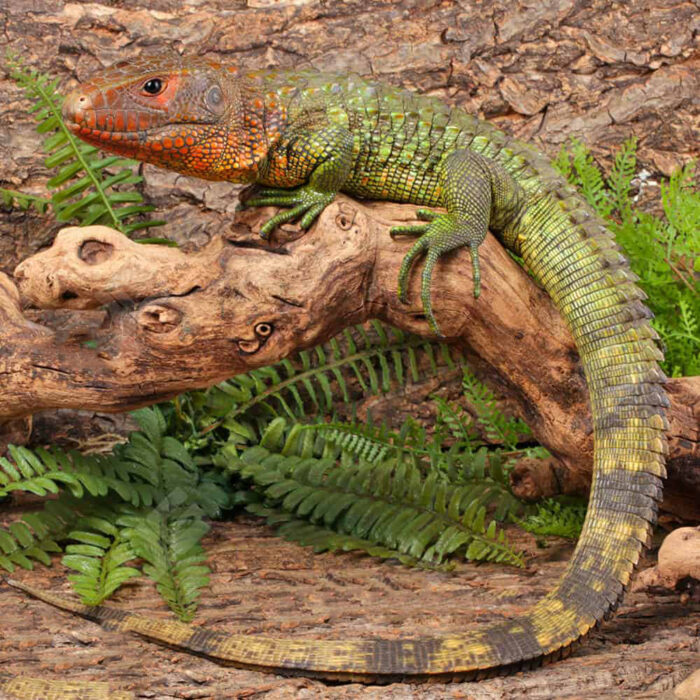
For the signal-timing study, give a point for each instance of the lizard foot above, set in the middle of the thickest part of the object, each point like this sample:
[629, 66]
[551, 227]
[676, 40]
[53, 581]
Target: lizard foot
[443, 233]
[305, 202]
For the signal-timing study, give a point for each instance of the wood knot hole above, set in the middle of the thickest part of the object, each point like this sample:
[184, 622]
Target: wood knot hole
[94, 252]
[160, 319]
[345, 220]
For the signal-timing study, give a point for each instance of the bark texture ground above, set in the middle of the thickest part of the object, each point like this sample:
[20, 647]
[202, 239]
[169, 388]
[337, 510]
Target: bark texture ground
[263, 585]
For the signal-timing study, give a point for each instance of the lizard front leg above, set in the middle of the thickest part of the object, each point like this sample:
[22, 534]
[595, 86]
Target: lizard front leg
[321, 158]
[471, 185]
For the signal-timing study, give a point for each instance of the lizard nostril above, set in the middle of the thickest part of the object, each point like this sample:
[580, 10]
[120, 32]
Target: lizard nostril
[75, 106]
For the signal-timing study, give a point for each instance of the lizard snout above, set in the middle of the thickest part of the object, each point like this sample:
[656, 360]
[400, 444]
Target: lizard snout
[75, 107]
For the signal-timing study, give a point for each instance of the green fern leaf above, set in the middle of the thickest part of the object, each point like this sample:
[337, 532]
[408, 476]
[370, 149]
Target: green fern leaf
[24, 200]
[98, 557]
[556, 518]
[35, 537]
[170, 544]
[390, 506]
[313, 383]
[83, 188]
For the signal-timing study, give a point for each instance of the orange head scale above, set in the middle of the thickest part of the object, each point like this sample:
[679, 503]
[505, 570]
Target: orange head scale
[190, 115]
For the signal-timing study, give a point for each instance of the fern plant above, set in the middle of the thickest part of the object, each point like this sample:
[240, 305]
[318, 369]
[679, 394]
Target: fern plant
[86, 188]
[372, 458]
[663, 250]
[285, 409]
[146, 500]
[169, 543]
[364, 505]
[361, 361]
[98, 553]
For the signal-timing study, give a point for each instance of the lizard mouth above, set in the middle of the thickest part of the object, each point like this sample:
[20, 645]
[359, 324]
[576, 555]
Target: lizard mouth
[102, 126]
[174, 146]
[85, 131]
[160, 138]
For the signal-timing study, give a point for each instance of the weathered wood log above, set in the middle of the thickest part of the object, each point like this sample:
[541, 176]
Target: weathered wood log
[177, 321]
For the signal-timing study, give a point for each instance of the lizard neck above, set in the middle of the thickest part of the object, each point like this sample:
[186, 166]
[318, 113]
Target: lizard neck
[257, 122]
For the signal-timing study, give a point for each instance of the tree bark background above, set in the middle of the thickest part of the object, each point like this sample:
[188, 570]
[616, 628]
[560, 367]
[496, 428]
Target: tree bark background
[599, 70]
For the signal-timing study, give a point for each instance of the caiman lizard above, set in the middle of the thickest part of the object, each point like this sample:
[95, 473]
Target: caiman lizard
[304, 136]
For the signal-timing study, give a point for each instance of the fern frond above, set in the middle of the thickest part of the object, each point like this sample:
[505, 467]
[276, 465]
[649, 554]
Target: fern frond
[585, 174]
[23, 200]
[170, 544]
[484, 474]
[498, 428]
[316, 381]
[323, 539]
[362, 441]
[389, 504]
[36, 536]
[84, 186]
[98, 555]
[681, 203]
[43, 471]
[620, 179]
[555, 518]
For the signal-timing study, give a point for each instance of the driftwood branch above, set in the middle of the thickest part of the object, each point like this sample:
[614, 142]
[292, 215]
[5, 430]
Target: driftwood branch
[176, 321]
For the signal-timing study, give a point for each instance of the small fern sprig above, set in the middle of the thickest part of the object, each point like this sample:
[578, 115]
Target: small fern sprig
[170, 545]
[82, 188]
[496, 427]
[98, 555]
[619, 181]
[24, 200]
[556, 518]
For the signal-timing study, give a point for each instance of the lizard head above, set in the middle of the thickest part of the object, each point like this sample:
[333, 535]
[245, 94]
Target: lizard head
[188, 115]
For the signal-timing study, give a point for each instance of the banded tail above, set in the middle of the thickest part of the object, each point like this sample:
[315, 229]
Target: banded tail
[578, 262]
[25, 688]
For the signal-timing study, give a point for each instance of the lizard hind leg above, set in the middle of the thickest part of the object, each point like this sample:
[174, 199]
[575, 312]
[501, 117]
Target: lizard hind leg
[466, 183]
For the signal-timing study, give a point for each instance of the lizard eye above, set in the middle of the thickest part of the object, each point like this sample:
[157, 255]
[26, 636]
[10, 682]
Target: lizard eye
[153, 86]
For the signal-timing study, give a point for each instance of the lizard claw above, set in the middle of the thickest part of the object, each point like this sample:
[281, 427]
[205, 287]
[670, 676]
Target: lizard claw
[418, 248]
[415, 229]
[444, 233]
[305, 202]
